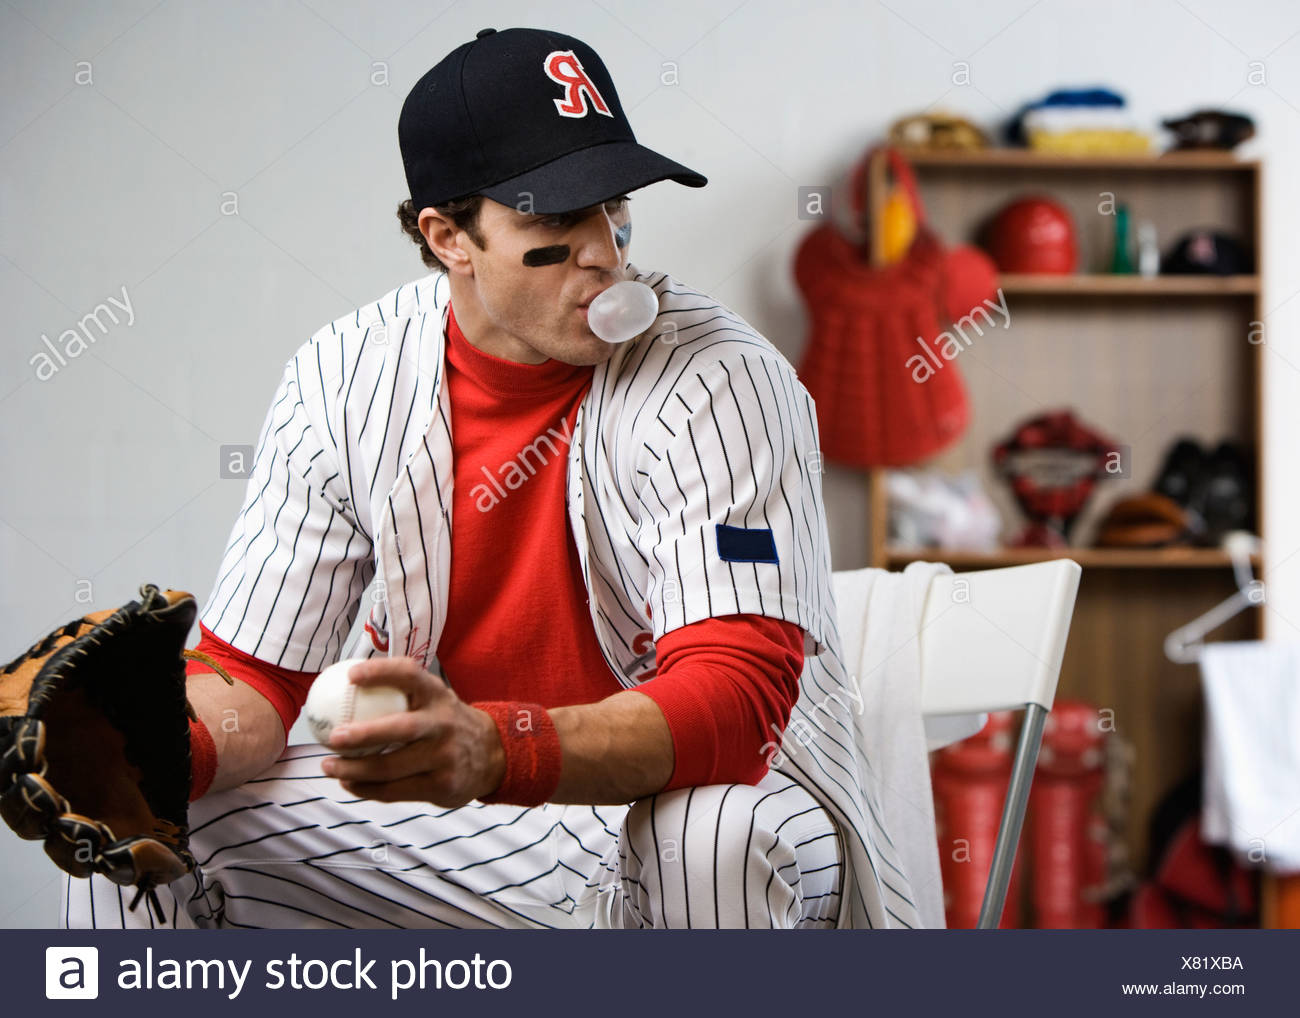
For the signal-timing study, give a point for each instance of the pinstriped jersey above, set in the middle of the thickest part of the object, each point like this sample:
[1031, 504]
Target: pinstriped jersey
[693, 491]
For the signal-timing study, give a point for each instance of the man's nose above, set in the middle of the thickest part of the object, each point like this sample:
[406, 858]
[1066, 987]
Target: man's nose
[599, 247]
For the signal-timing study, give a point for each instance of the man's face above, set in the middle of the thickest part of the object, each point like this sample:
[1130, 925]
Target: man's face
[522, 296]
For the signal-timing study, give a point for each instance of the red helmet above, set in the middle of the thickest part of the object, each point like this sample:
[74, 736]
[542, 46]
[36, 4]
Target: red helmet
[1033, 235]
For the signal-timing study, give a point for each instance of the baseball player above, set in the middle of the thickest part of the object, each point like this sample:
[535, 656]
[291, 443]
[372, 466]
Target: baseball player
[599, 571]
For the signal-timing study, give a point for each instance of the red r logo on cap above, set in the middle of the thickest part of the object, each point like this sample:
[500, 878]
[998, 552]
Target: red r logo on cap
[563, 68]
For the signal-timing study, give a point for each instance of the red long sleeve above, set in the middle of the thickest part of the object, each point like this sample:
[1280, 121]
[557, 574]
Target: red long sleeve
[285, 689]
[727, 686]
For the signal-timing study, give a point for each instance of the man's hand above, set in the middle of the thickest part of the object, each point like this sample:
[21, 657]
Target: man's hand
[614, 751]
[451, 752]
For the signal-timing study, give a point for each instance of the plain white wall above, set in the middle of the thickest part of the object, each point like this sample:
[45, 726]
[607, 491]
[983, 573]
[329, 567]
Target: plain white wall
[111, 466]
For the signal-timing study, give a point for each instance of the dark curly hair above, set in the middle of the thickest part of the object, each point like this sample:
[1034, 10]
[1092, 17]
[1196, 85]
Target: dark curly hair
[463, 212]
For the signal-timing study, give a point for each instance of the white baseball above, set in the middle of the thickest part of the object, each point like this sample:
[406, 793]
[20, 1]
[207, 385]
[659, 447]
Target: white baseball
[333, 700]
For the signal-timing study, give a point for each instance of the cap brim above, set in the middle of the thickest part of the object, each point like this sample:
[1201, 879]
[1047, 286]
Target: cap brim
[588, 177]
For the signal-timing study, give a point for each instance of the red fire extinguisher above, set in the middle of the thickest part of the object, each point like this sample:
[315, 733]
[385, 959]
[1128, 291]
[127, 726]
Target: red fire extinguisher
[1067, 834]
[970, 781]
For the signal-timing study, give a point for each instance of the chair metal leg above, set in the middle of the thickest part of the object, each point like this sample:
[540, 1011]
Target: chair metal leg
[1013, 816]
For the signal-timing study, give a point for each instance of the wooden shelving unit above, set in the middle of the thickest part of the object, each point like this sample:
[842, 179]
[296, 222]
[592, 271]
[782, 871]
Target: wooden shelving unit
[1144, 360]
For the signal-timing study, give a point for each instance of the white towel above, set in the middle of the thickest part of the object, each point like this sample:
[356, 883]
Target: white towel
[880, 618]
[1252, 751]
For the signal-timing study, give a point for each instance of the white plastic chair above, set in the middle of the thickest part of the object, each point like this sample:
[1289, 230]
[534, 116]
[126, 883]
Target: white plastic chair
[993, 640]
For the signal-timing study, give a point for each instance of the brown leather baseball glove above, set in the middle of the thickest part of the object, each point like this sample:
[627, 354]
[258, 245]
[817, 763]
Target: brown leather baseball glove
[1146, 520]
[95, 743]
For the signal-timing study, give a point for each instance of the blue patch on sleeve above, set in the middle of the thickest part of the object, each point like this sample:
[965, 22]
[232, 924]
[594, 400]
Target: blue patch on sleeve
[738, 544]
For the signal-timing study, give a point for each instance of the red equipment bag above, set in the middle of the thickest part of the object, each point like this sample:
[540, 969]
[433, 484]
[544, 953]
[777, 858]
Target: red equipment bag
[869, 326]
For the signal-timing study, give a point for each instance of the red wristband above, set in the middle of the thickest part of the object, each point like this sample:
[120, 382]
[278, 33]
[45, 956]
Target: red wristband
[203, 759]
[532, 748]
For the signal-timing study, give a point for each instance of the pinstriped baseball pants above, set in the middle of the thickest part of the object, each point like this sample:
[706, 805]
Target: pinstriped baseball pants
[291, 849]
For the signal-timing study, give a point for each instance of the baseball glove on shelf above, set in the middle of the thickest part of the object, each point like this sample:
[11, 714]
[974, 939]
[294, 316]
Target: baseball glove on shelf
[95, 743]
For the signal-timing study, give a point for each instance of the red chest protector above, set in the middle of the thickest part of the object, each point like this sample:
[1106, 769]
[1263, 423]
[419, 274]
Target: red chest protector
[871, 328]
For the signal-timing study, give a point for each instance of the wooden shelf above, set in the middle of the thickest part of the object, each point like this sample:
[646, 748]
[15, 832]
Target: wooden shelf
[1127, 286]
[1020, 158]
[1089, 558]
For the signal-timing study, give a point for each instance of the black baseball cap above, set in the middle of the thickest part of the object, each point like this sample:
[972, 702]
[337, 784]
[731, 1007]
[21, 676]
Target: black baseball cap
[529, 118]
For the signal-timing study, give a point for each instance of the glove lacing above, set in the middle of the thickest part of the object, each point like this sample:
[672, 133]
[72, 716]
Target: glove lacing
[154, 903]
[211, 662]
[44, 646]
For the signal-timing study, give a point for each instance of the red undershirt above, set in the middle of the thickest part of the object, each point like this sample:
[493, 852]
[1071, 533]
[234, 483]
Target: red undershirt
[518, 625]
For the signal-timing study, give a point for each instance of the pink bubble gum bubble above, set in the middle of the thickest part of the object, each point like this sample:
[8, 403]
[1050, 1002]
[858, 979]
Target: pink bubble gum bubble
[623, 311]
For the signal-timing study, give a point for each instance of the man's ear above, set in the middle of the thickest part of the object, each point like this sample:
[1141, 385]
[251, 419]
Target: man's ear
[441, 235]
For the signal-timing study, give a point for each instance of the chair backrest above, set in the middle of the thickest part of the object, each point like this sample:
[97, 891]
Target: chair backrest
[990, 640]
[994, 639]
